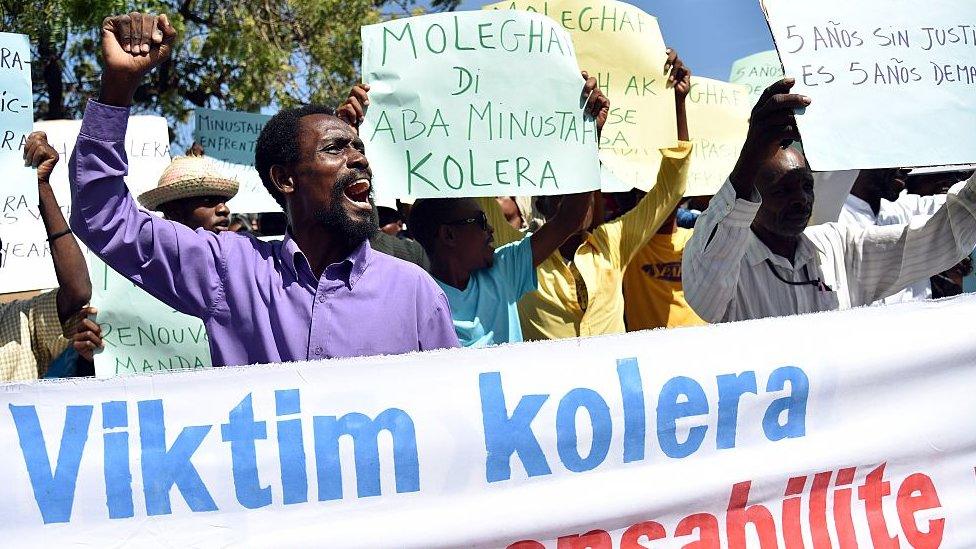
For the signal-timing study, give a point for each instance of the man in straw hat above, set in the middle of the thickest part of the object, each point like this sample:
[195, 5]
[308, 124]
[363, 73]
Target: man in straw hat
[320, 293]
[191, 192]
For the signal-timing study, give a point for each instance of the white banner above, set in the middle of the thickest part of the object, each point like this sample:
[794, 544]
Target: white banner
[25, 258]
[841, 429]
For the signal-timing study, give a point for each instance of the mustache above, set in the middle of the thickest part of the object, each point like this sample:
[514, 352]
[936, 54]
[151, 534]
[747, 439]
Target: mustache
[343, 181]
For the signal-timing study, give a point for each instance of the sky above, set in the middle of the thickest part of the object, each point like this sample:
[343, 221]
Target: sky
[708, 34]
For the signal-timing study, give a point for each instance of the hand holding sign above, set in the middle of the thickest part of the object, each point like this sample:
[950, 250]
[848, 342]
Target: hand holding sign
[87, 336]
[597, 104]
[772, 124]
[353, 110]
[132, 46]
[679, 75]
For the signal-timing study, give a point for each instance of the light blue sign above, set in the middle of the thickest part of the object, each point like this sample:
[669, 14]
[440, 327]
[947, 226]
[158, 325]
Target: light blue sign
[16, 117]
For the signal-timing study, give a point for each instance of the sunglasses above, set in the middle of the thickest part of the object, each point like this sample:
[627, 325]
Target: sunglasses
[480, 219]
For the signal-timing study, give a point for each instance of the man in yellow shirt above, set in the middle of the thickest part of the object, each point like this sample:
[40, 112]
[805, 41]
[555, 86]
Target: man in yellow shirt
[580, 288]
[653, 295]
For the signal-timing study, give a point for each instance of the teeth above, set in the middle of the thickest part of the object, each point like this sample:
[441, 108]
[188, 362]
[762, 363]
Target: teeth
[359, 187]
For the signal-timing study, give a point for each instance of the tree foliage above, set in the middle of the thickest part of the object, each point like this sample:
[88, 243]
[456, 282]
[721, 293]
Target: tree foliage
[232, 54]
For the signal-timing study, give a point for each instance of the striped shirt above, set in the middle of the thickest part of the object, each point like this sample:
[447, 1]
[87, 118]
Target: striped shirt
[726, 276]
[30, 337]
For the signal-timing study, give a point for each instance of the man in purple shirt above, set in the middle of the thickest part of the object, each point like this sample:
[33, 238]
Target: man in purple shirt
[322, 292]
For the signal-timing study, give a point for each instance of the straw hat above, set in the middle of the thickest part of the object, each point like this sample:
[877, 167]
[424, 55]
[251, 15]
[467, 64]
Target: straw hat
[185, 177]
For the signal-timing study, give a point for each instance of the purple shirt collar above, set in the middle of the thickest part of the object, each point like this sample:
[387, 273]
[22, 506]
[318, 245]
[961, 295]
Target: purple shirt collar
[349, 270]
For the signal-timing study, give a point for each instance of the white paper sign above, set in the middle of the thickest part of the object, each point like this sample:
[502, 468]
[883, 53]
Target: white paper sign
[25, 257]
[892, 81]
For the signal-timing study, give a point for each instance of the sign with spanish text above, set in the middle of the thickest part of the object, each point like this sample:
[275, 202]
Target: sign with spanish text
[480, 103]
[616, 441]
[16, 117]
[623, 48]
[25, 253]
[757, 72]
[141, 334]
[892, 85]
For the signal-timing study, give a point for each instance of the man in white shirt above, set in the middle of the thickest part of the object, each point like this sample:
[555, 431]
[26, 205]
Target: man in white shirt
[753, 256]
[877, 198]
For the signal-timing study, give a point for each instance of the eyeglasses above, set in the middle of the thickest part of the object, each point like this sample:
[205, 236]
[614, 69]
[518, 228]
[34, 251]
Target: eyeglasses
[480, 219]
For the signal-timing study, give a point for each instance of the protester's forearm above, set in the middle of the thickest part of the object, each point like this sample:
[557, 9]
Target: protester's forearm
[712, 259]
[565, 223]
[681, 113]
[69, 263]
[117, 90]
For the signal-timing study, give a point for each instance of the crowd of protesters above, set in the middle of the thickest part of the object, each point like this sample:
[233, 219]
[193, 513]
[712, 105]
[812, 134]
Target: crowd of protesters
[347, 278]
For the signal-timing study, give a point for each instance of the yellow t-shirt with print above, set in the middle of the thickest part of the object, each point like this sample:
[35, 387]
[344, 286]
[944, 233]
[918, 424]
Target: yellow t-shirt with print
[653, 295]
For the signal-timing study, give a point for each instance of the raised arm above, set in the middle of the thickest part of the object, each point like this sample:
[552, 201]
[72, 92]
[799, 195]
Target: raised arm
[771, 126]
[886, 259]
[632, 231]
[713, 257]
[173, 263]
[74, 285]
[573, 208]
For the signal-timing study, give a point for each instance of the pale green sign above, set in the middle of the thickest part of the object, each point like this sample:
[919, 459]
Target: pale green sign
[140, 333]
[757, 72]
[479, 103]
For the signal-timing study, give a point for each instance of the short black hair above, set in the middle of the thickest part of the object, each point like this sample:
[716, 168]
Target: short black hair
[278, 143]
[426, 216]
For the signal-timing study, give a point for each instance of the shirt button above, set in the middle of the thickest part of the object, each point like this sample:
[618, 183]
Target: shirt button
[318, 351]
[321, 299]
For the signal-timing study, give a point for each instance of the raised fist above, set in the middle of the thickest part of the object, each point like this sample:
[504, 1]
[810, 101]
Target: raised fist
[132, 46]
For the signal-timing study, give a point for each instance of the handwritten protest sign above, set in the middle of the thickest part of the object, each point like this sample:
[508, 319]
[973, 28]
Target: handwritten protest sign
[757, 71]
[892, 84]
[140, 333]
[16, 117]
[229, 137]
[456, 107]
[623, 48]
[718, 119]
[25, 250]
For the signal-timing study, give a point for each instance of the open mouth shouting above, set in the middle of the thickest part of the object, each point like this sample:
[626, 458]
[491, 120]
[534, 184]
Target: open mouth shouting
[357, 193]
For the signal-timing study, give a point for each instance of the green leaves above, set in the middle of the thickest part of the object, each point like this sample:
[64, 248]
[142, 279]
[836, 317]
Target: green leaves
[240, 55]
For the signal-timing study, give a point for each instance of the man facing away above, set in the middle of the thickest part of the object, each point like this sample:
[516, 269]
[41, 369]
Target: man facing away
[322, 292]
[752, 254]
[877, 198]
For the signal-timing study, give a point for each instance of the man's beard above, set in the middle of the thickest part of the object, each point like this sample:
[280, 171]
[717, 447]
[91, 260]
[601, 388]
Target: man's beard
[355, 228]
